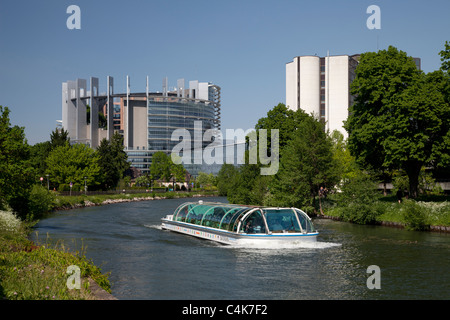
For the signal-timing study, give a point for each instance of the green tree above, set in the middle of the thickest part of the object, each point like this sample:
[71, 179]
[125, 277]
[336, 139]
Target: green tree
[16, 175]
[284, 119]
[66, 164]
[248, 186]
[399, 118]
[307, 164]
[59, 138]
[163, 168]
[160, 167]
[113, 161]
[225, 178]
[38, 155]
[445, 57]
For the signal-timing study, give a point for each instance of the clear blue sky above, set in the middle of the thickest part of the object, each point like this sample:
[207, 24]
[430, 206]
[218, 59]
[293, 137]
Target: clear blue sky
[242, 46]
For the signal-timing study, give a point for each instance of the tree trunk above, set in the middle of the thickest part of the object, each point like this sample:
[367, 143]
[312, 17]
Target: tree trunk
[413, 172]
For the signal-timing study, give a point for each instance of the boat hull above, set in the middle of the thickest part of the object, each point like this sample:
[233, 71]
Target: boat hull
[238, 239]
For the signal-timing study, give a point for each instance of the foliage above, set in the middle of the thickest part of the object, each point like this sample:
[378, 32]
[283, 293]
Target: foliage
[307, 164]
[284, 119]
[41, 201]
[357, 201]
[163, 168]
[206, 180]
[400, 118]
[445, 57]
[346, 165]
[414, 216]
[59, 138]
[248, 187]
[76, 164]
[112, 161]
[225, 177]
[16, 176]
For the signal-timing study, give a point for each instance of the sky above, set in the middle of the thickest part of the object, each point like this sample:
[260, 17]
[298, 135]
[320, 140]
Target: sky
[241, 45]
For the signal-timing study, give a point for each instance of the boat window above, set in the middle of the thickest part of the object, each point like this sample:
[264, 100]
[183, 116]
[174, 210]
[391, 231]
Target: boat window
[225, 222]
[182, 212]
[254, 223]
[281, 220]
[213, 217]
[305, 221]
[196, 214]
[232, 226]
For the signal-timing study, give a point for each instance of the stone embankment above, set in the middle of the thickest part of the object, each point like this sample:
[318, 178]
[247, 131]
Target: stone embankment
[88, 203]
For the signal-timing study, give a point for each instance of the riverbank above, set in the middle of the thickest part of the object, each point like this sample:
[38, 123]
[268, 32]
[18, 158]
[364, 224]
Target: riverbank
[32, 272]
[409, 214]
[81, 201]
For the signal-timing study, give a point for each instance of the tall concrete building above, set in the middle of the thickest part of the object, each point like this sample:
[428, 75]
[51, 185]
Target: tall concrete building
[321, 86]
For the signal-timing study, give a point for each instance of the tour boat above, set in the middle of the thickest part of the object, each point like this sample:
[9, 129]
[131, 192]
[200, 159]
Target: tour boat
[241, 225]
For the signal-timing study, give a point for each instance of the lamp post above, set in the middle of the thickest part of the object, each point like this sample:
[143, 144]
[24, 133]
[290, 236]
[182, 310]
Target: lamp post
[85, 186]
[48, 183]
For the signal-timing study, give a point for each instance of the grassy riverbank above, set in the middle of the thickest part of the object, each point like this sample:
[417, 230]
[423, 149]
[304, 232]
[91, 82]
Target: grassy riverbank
[31, 272]
[70, 202]
[422, 214]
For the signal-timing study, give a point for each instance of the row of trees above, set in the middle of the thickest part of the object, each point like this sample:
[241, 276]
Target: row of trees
[163, 168]
[78, 164]
[310, 159]
[398, 126]
[56, 161]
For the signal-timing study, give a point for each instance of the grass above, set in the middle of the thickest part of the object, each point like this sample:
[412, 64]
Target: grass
[29, 272]
[414, 214]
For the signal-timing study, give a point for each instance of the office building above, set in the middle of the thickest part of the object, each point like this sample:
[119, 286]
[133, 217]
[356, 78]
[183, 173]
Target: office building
[146, 120]
[321, 86]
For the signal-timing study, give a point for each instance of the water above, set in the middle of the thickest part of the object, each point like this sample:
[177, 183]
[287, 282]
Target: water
[146, 262]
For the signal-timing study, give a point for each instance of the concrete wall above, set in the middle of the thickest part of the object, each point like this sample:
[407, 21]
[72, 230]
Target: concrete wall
[310, 84]
[291, 84]
[337, 84]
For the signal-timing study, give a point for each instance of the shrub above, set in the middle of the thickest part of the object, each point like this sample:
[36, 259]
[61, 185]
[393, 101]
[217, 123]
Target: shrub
[358, 200]
[415, 216]
[41, 201]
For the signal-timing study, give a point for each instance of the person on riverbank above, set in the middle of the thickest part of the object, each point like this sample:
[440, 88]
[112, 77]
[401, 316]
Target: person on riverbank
[399, 195]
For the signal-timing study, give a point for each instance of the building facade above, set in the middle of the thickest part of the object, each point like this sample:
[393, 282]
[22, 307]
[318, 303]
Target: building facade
[321, 86]
[145, 120]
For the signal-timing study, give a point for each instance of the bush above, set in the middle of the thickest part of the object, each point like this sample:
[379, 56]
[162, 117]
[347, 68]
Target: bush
[415, 216]
[41, 201]
[358, 200]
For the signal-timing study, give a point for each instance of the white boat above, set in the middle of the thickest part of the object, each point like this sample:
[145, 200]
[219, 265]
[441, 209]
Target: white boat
[240, 224]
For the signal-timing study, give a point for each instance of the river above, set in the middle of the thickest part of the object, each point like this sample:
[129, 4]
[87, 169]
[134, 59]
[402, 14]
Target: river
[146, 262]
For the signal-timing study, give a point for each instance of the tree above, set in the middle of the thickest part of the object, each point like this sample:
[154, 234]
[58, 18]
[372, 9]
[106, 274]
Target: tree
[399, 118]
[283, 119]
[16, 175]
[113, 161]
[445, 57]
[59, 138]
[225, 178]
[163, 168]
[248, 187]
[307, 164]
[76, 164]
[38, 155]
[160, 167]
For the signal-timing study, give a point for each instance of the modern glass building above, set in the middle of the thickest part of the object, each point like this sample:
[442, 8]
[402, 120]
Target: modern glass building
[146, 120]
